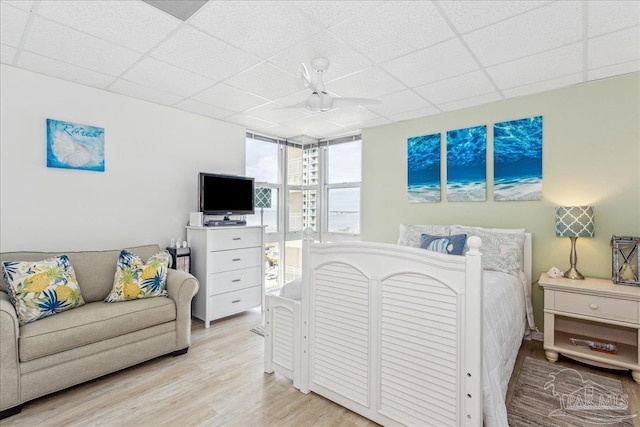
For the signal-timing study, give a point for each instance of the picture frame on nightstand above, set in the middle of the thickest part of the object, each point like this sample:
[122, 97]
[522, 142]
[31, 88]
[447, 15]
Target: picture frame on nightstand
[625, 259]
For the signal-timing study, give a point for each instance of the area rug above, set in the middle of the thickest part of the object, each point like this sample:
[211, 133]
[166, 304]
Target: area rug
[258, 330]
[551, 395]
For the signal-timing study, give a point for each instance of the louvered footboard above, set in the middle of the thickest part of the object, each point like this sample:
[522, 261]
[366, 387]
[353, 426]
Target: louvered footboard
[393, 333]
[282, 337]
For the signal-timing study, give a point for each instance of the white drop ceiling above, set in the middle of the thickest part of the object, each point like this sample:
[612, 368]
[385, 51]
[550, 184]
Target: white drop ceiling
[238, 61]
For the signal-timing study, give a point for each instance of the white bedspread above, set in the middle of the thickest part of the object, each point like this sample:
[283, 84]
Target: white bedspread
[504, 318]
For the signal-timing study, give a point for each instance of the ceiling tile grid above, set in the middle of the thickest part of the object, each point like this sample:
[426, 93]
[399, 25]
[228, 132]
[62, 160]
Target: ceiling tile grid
[239, 61]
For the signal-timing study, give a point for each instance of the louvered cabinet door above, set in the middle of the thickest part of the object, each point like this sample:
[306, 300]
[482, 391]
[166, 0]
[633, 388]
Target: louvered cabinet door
[340, 331]
[418, 352]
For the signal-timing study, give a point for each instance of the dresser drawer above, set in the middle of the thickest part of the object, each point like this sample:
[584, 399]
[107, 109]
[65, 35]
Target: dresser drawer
[597, 306]
[235, 302]
[220, 283]
[234, 259]
[233, 238]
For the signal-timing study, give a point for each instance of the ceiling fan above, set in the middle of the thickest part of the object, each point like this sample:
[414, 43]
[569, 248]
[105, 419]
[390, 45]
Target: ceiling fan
[320, 100]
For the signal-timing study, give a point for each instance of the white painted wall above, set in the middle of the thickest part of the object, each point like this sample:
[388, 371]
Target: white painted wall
[153, 155]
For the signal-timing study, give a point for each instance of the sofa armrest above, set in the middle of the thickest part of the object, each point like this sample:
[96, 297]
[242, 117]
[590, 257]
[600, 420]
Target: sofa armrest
[182, 287]
[9, 358]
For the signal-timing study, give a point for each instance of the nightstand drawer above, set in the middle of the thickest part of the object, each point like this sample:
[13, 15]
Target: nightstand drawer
[234, 238]
[597, 306]
[235, 302]
[234, 259]
[220, 283]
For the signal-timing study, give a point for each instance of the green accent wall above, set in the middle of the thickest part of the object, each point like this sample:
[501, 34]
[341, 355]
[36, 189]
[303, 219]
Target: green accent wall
[591, 156]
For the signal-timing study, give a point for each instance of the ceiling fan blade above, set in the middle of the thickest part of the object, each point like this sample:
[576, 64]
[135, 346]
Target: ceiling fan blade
[304, 71]
[349, 102]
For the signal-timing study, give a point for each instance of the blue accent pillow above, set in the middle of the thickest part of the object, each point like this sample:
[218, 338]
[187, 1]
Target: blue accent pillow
[452, 245]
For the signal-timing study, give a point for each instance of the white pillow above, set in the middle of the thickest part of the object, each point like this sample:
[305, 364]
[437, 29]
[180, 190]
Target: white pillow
[411, 234]
[494, 230]
[500, 251]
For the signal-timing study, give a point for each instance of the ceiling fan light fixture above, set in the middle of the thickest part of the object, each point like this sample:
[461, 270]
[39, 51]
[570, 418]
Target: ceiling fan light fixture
[314, 102]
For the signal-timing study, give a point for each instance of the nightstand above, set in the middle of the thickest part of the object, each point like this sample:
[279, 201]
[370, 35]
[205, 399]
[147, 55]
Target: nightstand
[592, 309]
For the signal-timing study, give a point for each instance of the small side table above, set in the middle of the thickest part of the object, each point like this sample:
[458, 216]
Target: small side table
[181, 258]
[592, 309]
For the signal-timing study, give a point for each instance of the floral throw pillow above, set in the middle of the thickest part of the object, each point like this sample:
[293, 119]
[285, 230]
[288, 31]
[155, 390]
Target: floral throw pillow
[42, 288]
[136, 279]
[452, 245]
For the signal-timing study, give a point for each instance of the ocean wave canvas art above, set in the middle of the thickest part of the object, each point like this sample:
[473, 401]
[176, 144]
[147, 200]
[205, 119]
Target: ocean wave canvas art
[423, 164]
[517, 159]
[467, 164]
[74, 146]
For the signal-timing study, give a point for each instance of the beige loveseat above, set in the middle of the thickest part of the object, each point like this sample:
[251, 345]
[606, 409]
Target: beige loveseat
[95, 339]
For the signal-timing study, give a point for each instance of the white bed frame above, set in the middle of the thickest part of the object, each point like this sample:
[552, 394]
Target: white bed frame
[391, 332]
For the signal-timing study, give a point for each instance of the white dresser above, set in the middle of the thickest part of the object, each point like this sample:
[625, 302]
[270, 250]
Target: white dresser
[229, 264]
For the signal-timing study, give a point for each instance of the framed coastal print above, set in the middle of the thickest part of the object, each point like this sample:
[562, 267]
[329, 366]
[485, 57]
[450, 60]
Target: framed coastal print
[423, 168]
[467, 164]
[517, 159]
[74, 146]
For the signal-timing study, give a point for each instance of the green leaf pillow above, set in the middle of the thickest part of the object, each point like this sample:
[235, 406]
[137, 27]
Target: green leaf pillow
[136, 279]
[42, 288]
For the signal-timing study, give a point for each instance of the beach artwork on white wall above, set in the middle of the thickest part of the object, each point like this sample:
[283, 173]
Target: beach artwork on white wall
[517, 159]
[74, 146]
[467, 164]
[423, 168]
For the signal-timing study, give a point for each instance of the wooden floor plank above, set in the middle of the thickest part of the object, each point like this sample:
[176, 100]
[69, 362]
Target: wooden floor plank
[219, 382]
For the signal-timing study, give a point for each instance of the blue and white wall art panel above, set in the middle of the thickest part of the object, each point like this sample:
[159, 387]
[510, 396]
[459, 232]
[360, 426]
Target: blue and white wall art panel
[517, 159]
[74, 146]
[467, 164]
[423, 164]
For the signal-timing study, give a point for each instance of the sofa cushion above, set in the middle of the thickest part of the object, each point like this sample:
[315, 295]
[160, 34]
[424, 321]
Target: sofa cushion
[94, 269]
[91, 323]
[135, 279]
[38, 289]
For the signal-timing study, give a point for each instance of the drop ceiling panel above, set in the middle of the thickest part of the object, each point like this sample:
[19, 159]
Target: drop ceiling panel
[20, 4]
[133, 24]
[537, 68]
[543, 86]
[160, 75]
[237, 60]
[12, 24]
[459, 87]
[348, 116]
[343, 59]
[467, 16]
[203, 54]
[614, 70]
[267, 81]
[273, 112]
[204, 109]
[443, 61]
[230, 98]
[393, 29]
[399, 102]
[371, 82]
[7, 54]
[603, 18]
[331, 13]
[78, 48]
[51, 67]
[261, 28]
[615, 48]
[144, 92]
[552, 26]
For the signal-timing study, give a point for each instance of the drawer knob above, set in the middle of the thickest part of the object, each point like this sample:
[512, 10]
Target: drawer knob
[235, 301]
[593, 306]
[237, 238]
[235, 280]
[236, 259]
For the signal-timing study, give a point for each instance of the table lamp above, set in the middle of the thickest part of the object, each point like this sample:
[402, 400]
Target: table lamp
[263, 200]
[574, 222]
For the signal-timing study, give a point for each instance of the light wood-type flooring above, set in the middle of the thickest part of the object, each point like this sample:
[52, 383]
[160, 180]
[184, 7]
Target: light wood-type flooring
[219, 382]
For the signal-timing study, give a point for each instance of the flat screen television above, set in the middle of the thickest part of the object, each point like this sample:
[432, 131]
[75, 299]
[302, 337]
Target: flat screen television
[226, 194]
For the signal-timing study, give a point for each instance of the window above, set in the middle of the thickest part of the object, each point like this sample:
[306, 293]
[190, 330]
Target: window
[315, 184]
